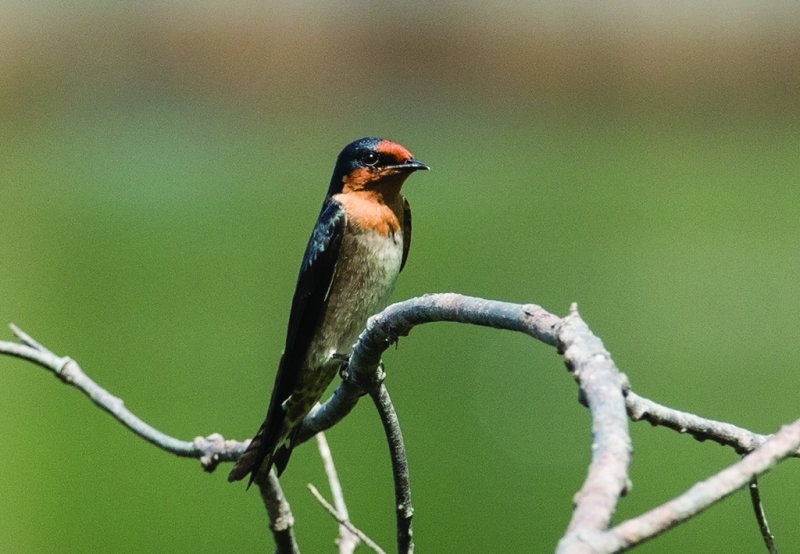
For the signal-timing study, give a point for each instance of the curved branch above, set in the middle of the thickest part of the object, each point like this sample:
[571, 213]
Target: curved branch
[600, 383]
[603, 389]
[363, 375]
[761, 517]
[364, 372]
[210, 450]
[402, 484]
[348, 538]
[397, 320]
[705, 493]
[344, 522]
[279, 514]
[601, 386]
[701, 428]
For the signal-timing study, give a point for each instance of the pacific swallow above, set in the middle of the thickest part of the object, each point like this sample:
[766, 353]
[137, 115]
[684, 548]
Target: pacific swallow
[357, 249]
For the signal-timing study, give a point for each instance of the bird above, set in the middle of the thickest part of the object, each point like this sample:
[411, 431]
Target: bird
[356, 251]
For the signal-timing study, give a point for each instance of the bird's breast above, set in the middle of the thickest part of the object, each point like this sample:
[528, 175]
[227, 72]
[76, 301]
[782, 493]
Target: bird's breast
[368, 266]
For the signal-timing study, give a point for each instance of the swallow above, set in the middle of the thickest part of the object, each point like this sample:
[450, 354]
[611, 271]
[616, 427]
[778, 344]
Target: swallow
[357, 249]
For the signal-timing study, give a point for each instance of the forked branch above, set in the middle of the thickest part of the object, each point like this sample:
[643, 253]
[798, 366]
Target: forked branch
[603, 389]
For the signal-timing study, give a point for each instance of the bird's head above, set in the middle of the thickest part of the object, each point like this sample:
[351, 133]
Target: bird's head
[373, 164]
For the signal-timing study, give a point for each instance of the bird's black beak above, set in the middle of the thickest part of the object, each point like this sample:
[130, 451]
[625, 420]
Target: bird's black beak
[411, 165]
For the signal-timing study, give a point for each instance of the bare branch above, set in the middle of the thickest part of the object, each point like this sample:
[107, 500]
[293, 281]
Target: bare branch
[279, 514]
[397, 320]
[601, 387]
[343, 521]
[761, 517]
[402, 485]
[362, 376]
[727, 434]
[347, 541]
[703, 494]
[210, 450]
[366, 373]
[332, 411]
[25, 338]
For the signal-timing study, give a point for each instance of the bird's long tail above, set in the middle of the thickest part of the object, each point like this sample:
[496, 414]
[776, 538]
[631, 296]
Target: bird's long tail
[259, 455]
[251, 459]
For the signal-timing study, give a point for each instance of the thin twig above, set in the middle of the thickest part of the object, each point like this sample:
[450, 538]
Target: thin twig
[210, 450]
[404, 510]
[703, 494]
[25, 338]
[279, 514]
[347, 540]
[761, 517]
[740, 439]
[344, 521]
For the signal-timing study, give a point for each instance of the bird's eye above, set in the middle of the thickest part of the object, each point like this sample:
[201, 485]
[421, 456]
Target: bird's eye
[371, 159]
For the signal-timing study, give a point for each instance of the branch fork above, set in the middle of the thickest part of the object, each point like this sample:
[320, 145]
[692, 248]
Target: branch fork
[602, 388]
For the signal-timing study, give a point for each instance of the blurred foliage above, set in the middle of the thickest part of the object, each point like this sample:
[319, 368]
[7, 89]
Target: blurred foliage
[162, 167]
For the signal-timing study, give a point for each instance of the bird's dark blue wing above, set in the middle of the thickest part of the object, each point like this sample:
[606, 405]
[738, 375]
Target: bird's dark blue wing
[406, 232]
[310, 295]
[313, 284]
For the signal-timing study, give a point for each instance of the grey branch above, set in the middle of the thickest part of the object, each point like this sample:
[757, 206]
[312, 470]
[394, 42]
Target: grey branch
[705, 493]
[279, 516]
[209, 450]
[365, 374]
[761, 517]
[602, 388]
[344, 521]
[397, 452]
[727, 434]
[348, 539]
[397, 320]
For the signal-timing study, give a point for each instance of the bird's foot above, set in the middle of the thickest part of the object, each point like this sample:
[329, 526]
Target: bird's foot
[343, 359]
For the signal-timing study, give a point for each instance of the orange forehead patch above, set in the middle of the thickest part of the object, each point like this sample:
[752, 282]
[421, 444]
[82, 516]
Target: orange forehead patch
[394, 150]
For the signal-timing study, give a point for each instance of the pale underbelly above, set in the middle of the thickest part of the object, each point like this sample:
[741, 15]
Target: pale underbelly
[363, 283]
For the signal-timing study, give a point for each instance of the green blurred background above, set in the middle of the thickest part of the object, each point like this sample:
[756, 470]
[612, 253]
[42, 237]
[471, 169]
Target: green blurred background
[162, 165]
